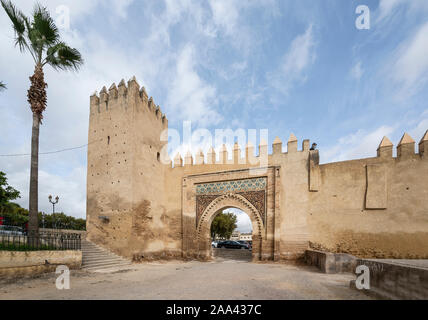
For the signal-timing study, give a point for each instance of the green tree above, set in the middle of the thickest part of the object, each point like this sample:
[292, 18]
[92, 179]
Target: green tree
[2, 86]
[7, 193]
[223, 225]
[16, 215]
[39, 36]
[61, 221]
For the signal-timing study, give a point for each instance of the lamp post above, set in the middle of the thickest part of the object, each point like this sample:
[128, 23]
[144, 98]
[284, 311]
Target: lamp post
[53, 207]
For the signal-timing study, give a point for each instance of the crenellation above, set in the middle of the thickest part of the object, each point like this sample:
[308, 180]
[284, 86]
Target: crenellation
[250, 159]
[263, 148]
[125, 95]
[188, 159]
[223, 159]
[277, 146]
[104, 99]
[211, 156]
[94, 104]
[112, 91]
[249, 152]
[199, 157]
[122, 88]
[423, 146]
[150, 103]
[292, 144]
[406, 146]
[133, 85]
[305, 145]
[143, 94]
[236, 153]
[385, 148]
[178, 161]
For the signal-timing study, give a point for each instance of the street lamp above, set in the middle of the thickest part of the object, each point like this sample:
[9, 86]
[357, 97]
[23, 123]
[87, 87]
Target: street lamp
[53, 206]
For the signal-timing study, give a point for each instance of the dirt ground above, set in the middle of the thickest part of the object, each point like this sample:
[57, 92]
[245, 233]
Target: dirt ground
[220, 279]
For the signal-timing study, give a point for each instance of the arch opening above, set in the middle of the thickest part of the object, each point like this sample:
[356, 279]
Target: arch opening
[231, 234]
[237, 202]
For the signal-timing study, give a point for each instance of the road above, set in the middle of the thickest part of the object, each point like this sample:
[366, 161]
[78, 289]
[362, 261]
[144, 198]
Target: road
[220, 279]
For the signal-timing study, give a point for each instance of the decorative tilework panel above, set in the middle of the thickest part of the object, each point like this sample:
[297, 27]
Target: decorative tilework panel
[222, 187]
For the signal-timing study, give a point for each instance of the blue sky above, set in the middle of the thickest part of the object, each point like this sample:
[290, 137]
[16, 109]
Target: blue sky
[288, 66]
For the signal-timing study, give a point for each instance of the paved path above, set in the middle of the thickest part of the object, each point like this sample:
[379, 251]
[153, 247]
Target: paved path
[416, 263]
[221, 279]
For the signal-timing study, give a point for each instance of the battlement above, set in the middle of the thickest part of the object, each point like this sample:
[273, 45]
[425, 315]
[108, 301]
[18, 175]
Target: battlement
[210, 158]
[124, 95]
[405, 147]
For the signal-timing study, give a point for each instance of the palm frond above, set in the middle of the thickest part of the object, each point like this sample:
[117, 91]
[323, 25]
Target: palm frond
[62, 57]
[45, 26]
[42, 32]
[2, 86]
[39, 35]
[18, 22]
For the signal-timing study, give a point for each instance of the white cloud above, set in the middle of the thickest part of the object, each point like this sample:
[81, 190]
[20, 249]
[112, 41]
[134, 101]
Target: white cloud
[296, 60]
[387, 8]
[226, 22]
[420, 129]
[190, 97]
[301, 53]
[225, 14]
[409, 71]
[70, 188]
[121, 7]
[361, 144]
[357, 71]
[78, 9]
[243, 220]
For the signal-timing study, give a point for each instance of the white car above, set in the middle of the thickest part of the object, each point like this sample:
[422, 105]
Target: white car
[214, 244]
[11, 230]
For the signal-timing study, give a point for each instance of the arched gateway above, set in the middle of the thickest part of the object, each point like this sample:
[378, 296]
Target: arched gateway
[217, 205]
[252, 191]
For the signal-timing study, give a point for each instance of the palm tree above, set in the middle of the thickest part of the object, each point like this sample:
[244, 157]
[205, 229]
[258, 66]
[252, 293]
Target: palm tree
[39, 36]
[2, 86]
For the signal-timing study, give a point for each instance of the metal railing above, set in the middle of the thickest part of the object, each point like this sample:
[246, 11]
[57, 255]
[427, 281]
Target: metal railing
[42, 241]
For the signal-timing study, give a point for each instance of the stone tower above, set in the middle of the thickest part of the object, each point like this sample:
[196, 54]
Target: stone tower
[124, 167]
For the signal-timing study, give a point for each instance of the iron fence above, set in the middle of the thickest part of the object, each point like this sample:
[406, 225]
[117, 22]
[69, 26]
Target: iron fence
[40, 241]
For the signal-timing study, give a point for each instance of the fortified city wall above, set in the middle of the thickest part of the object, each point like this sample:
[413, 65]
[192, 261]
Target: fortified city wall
[141, 208]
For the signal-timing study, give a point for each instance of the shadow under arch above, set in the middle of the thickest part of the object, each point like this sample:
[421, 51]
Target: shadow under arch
[231, 200]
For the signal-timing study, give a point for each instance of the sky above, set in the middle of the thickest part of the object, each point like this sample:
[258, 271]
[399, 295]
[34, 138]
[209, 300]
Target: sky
[288, 66]
[243, 221]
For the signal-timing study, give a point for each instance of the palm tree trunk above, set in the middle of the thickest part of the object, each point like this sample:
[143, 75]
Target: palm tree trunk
[37, 99]
[33, 224]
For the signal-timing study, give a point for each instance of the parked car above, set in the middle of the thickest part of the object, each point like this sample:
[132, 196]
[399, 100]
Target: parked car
[246, 243]
[214, 244]
[232, 245]
[12, 230]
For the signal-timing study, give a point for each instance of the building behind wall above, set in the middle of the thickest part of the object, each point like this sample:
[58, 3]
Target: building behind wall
[142, 207]
[241, 236]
